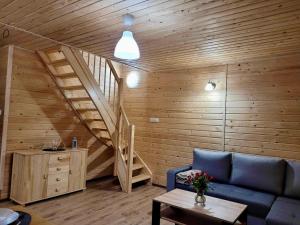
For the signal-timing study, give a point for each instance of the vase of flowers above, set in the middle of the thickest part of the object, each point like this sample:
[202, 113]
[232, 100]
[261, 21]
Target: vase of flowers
[200, 181]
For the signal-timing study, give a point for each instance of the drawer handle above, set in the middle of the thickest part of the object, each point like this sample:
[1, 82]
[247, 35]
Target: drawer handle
[58, 169]
[60, 158]
[57, 179]
[56, 190]
[45, 176]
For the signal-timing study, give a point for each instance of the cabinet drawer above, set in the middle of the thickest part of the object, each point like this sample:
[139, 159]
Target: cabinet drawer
[57, 184]
[61, 159]
[58, 178]
[59, 169]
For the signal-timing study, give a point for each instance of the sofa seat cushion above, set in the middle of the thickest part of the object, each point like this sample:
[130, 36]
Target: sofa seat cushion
[259, 203]
[215, 163]
[292, 183]
[252, 220]
[285, 211]
[258, 172]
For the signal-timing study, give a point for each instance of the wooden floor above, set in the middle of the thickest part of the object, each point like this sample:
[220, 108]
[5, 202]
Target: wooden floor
[102, 203]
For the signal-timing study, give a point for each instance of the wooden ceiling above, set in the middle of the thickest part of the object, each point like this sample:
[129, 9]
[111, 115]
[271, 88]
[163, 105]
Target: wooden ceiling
[172, 34]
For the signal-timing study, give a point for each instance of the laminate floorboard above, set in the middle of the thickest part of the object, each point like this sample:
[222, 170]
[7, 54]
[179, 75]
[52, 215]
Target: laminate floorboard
[103, 203]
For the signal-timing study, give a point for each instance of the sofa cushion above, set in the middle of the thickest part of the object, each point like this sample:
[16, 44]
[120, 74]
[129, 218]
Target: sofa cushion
[292, 182]
[258, 172]
[182, 177]
[259, 203]
[252, 220]
[216, 164]
[285, 211]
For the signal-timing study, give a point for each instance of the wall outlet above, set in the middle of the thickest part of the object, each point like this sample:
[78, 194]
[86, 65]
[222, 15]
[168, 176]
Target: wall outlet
[154, 120]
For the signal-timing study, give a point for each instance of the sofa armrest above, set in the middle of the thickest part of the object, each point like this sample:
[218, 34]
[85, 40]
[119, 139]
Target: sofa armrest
[171, 176]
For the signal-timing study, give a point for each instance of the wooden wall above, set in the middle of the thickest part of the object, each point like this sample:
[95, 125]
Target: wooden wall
[3, 65]
[39, 114]
[262, 106]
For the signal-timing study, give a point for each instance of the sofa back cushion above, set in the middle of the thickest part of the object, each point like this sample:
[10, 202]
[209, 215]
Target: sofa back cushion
[214, 163]
[258, 172]
[292, 181]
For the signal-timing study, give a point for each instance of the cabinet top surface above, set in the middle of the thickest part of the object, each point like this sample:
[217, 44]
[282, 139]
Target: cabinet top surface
[40, 152]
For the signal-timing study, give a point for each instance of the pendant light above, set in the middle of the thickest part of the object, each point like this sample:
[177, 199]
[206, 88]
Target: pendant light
[127, 47]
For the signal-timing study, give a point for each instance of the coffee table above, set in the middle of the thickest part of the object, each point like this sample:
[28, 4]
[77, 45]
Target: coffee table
[180, 208]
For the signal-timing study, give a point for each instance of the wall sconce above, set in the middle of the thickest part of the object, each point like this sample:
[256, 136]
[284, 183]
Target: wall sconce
[132, 79]
[210, 86]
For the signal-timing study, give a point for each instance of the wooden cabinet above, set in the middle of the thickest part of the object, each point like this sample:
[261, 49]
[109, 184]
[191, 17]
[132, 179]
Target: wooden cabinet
[38, 175]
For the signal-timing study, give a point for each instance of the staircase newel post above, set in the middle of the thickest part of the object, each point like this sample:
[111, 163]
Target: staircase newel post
[130, 156]
[120, 93]
[118, 136]
[119, 105]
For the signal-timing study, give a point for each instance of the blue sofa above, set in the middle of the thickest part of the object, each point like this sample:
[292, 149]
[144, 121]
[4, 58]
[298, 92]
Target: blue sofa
[269, 186]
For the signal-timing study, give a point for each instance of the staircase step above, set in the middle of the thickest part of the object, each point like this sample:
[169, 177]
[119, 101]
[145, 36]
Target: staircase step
[72, 87]
[79, 98]
[86, 110]
[134, 156]
[60, 62]
[92, 120]
[102, 134]
[137, 166]
[66, 75]
[52, 50]
[140, 177]
[99, 129]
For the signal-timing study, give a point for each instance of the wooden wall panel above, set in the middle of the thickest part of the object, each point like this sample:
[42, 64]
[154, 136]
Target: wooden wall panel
[189, 116]
[3, 65]
[263, 112]
[263, 107]
[39, 114]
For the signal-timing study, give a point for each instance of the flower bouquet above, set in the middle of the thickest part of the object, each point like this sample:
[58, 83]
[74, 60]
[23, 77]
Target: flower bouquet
[200, 181]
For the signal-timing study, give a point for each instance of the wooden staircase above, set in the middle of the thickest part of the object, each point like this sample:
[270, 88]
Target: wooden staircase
[93, 89]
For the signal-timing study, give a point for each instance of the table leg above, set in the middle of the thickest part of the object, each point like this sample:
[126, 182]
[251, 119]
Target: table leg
[155, 213]
[243, 217]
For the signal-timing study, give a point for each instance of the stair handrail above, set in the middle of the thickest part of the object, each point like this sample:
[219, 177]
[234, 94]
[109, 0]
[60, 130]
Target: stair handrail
[106, 76]
[124, 140]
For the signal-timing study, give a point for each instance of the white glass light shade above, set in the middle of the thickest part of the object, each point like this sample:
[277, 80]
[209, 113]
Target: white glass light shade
[127, 47]
[210, 86]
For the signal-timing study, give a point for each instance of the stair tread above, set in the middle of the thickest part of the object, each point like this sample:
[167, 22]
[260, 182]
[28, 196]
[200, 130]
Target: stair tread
[60, 62]
[137, 166]
[52, 50]
[99, 128]
[86, 109]
[66, 75]
[92, 119]
[72, 87]
[140, 177]
[79, 98]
